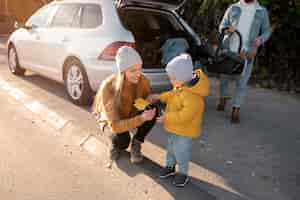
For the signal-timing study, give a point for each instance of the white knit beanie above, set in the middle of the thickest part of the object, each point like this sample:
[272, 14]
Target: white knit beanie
[181, 68]
[127, 57]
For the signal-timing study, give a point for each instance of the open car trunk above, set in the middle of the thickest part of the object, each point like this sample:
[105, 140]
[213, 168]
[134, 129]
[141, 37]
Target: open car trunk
[151, 28]
[169, 4]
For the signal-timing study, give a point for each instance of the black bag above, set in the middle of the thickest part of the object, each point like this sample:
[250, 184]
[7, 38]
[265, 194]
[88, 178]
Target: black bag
[225, 61]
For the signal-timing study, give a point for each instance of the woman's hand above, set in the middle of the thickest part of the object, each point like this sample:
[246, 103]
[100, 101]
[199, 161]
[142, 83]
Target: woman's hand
[148, 115]
[152, 98]
[160, 119]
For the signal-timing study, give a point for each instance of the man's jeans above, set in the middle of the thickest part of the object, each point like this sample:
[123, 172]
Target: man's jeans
[179, 151]
[241, 85]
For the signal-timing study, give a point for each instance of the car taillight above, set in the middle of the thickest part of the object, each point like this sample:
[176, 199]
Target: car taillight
[109, 53]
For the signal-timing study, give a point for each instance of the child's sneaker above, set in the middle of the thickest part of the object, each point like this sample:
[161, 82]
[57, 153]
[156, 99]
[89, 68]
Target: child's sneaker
[180, 180]
[167, 172]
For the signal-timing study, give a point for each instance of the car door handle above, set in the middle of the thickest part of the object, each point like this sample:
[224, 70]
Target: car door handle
[37, 37]
[65, 39]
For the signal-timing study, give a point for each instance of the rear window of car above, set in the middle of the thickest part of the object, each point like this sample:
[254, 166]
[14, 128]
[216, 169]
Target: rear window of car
[91, 16]
[66, 16]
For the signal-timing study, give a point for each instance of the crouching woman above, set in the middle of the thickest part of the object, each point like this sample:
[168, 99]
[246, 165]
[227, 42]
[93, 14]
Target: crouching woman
[114, 106]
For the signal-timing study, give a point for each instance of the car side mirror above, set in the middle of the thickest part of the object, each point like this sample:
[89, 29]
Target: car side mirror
[19, 25]
[23, 25]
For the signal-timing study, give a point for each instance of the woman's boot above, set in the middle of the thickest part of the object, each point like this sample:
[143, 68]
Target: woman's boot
[135, 152]
[114, 155]
[235, 116]
[222, 104]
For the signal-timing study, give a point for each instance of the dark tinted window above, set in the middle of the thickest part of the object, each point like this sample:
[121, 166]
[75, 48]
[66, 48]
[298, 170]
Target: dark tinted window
[65, 16]
[147, 25]
[92, 16]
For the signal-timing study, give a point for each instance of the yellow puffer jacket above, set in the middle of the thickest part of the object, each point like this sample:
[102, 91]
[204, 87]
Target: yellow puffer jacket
[185, 107]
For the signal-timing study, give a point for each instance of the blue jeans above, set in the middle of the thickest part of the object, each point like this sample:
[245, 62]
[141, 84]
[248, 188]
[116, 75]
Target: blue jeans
[241, 85]
[179, 151]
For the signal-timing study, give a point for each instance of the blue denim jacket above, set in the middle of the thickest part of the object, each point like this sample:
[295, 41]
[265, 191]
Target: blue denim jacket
[259, 28]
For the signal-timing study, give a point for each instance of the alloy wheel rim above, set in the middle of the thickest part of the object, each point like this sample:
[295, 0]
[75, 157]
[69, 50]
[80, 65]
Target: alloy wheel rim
[75, 82]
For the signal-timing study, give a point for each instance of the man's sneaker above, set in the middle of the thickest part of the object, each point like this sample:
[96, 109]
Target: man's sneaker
[167, 172]
[180, 180]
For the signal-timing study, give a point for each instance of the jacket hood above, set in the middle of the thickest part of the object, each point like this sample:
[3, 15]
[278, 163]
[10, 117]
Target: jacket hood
[201, 86]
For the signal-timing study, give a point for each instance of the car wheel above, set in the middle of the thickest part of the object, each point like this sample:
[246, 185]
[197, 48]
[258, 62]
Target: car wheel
[77, 83]
[13, 62]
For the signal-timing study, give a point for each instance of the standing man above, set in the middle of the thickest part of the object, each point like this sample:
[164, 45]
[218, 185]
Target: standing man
[252, 21]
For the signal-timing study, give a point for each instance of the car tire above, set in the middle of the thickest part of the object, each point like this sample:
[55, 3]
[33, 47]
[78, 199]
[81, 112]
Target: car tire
[13, 61]
[77, 83]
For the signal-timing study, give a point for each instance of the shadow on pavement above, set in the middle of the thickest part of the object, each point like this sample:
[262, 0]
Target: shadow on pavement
[152, 170]
[50, 86]
[3, 54]
[3, 51]
[46, 84]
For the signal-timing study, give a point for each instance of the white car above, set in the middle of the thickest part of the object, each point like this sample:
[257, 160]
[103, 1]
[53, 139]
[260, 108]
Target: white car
[75, 41]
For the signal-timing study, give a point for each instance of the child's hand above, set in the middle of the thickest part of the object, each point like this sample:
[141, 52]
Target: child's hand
[160, 119]
[152, 98]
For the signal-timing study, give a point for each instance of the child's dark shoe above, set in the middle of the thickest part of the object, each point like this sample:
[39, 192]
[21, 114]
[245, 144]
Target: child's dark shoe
[167, 172]
[181, 180]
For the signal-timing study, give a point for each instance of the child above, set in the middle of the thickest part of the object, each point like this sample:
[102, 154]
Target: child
[183, 115]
